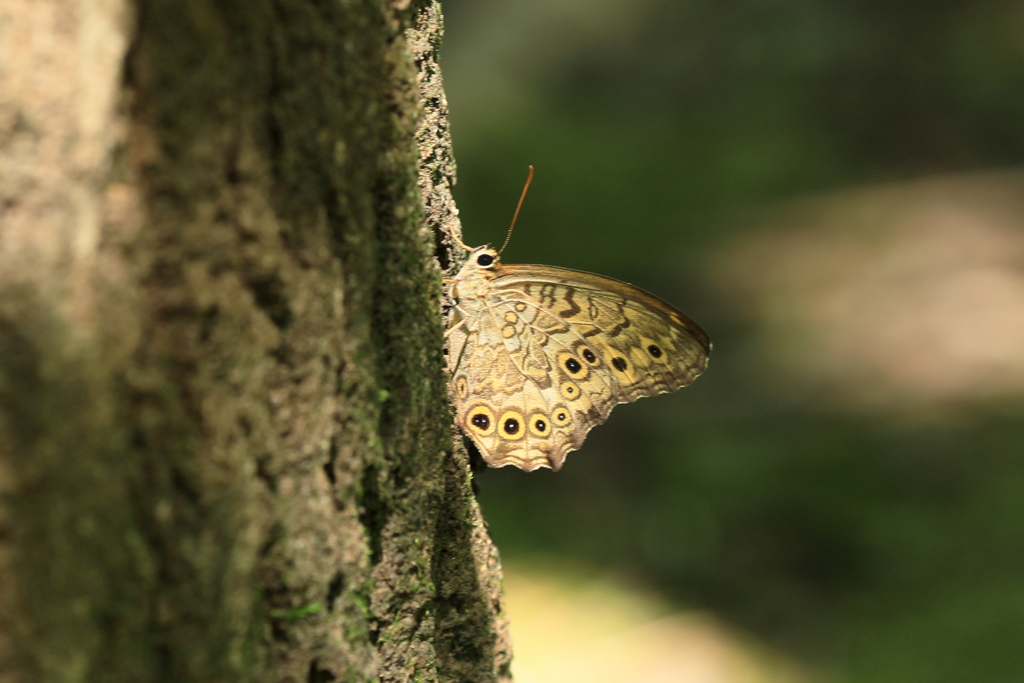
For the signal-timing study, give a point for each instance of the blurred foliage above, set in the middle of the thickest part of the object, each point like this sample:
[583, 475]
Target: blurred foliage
[886, 549]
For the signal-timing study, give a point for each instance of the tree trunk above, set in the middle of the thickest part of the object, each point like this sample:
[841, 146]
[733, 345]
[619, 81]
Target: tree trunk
[225, 446]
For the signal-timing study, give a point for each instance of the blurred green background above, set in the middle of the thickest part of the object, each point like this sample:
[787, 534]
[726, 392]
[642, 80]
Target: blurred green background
[833, 190]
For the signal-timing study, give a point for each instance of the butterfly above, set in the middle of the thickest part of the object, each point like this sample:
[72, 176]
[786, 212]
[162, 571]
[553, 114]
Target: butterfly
[539, 355]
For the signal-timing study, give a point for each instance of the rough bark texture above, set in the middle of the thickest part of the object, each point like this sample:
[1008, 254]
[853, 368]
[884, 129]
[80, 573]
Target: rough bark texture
[225, 446]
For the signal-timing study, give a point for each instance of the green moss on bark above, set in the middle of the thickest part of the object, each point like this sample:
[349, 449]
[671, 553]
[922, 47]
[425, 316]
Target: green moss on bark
[233, 459]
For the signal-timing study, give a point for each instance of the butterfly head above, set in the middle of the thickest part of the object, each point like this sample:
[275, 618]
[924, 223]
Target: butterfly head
[473, 279]
[481, 266]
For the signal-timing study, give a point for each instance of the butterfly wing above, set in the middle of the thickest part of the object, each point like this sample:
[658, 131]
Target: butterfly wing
[550, 351]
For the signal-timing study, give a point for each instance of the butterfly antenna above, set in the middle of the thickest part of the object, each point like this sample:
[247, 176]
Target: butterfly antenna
[518, 206]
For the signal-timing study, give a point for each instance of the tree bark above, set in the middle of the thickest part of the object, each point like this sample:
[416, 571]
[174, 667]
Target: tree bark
[226, 452]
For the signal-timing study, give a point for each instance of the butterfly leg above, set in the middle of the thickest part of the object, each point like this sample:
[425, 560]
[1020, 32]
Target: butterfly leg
[457, 326]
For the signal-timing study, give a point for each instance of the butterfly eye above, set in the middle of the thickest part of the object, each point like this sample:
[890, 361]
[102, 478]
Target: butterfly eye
[484, 260]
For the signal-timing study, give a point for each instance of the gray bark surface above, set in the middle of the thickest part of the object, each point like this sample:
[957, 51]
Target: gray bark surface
[226, 452]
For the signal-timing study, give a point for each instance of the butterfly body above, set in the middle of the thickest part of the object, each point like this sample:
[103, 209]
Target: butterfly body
[539, 355]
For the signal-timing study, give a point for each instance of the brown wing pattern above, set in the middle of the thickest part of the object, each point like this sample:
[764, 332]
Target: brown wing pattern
[548, 352]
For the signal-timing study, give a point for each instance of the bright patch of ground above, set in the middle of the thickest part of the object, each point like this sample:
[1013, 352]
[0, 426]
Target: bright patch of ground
[567, 627]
